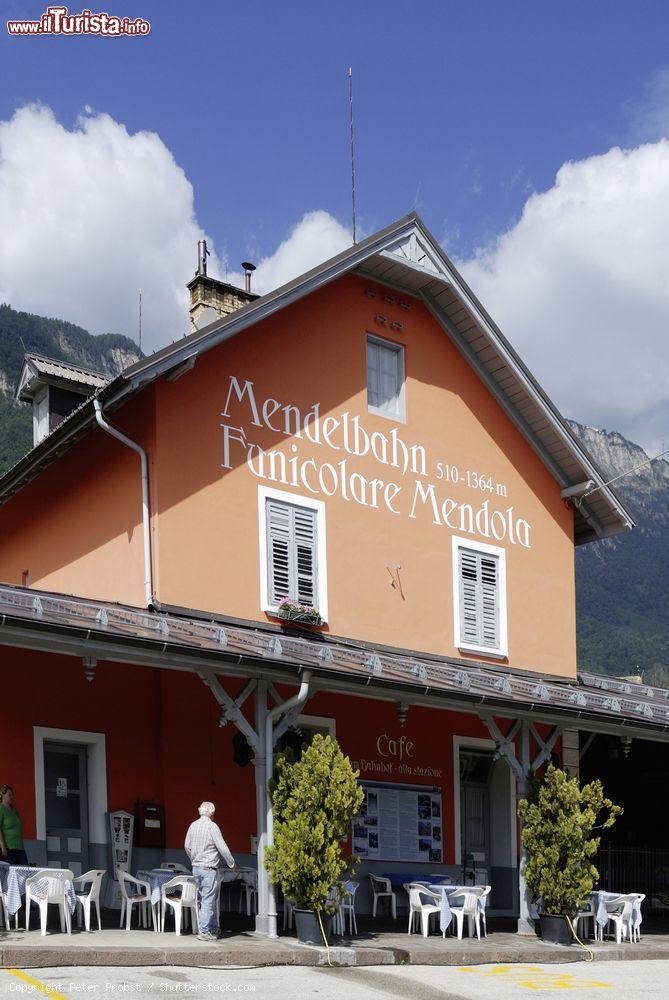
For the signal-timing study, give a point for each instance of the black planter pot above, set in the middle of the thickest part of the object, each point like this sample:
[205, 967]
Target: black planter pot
[555, 930]
[308, 928]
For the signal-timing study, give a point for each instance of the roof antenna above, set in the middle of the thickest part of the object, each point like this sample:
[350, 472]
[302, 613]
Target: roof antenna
[140, 321]
[350, 118]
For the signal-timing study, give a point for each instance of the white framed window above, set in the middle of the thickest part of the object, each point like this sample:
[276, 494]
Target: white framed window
[479, 598]
[385, 378]
[293, 557]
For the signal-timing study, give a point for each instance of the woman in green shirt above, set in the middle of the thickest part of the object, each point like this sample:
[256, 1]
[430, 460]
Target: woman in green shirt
[11, 832]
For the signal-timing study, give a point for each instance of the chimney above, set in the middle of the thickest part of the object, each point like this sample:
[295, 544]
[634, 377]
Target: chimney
[211, 299]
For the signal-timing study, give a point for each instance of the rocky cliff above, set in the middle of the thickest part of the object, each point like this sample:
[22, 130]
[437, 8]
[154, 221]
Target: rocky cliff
[622, 583]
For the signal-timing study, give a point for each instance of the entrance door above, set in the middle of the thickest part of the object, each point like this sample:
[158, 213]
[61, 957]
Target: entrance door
[475, 769]
[66, 806]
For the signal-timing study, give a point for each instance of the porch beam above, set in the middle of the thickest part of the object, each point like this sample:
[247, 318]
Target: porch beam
[545, 746]
[504, 742]
[232, 707]
[586, 746]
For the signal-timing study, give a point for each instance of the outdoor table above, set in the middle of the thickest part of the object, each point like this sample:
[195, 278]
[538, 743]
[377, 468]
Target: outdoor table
[157, 877]
[398, 879]
[600, 900]
[14, 886]
[446, 915]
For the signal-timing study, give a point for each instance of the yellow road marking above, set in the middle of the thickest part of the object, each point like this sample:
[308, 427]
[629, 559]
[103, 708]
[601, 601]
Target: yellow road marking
[533, 977]
[39, 986]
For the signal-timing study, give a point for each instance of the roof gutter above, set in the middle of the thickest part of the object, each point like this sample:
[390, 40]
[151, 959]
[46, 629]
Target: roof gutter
[146, 514]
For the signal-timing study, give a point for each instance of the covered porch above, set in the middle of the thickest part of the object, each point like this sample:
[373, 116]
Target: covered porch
[167, 692]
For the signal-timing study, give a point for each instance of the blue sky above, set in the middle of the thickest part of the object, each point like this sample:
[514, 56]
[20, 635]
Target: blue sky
[461, 108]
[498, 122]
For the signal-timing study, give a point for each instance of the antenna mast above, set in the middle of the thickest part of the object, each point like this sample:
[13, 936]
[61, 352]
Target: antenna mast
[140, 321]
[350, 117]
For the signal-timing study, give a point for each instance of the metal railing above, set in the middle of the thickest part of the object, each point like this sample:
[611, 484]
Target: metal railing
[636, 869]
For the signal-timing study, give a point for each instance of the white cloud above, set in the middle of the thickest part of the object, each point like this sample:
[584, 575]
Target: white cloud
[317, 237]
[89, 216]
[580, 287]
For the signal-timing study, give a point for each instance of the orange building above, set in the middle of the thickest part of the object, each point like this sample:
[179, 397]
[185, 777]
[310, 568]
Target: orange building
[351, 484]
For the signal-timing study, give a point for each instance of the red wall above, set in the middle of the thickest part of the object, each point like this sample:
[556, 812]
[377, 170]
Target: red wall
[164, 743]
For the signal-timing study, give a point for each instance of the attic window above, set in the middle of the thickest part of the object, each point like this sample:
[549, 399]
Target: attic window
[385, 378]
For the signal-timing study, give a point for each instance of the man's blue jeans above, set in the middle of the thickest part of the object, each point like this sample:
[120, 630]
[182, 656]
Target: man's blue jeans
[206, 881]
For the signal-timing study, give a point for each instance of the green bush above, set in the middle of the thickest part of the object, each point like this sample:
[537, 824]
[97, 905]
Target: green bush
[315, 799]
[560, 819]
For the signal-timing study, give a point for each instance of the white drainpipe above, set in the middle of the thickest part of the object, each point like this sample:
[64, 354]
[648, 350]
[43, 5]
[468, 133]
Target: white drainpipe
[297, 699]
[148, 575]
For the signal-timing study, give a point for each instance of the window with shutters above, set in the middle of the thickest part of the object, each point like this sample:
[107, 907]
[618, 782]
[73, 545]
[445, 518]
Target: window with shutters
[479, 592]
[292, 550]
[385, 378]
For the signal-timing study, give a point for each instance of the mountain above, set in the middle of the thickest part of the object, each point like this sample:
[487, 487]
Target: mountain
[108, 353]
[622, 583]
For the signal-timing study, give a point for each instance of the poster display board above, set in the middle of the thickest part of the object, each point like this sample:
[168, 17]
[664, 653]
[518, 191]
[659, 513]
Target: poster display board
[121, 829]
[399, 823]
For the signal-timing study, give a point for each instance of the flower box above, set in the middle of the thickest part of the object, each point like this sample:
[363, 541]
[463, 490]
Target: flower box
[293, 612]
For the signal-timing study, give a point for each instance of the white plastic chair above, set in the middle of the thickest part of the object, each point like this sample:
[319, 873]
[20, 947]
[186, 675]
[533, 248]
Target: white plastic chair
[382, 889]
[185, 904]
[621, 915]
[140, 893]
[418, 907]
[56, 878]
[470, 908]
[4, 912]
[347, 905]
[248, 885]
[174, 866]
[86, 899]
[487, 889]
[588, 912]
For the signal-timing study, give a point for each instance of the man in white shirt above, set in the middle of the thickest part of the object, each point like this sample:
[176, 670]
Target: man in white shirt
[206, 848]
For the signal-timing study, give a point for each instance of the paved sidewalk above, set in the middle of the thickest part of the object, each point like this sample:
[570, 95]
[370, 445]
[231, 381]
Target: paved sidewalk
[245, 949]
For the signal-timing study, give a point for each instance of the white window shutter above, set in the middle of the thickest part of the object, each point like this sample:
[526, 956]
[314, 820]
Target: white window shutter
[469, 630]
[479, 599]
[304, 522]
[278, 554]
[291, 553]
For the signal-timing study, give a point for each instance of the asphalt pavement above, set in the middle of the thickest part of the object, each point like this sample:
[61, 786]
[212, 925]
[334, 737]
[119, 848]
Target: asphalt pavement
[625, 980]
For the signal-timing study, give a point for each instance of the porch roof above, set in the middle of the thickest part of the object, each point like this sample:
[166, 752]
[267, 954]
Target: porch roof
[193, 641]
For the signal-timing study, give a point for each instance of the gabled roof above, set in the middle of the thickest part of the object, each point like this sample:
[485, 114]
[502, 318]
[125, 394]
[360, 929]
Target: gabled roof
[38, 371]
[407, 256]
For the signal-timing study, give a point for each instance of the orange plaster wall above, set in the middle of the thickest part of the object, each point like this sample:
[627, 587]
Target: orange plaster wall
[77, 528]
[314, 351]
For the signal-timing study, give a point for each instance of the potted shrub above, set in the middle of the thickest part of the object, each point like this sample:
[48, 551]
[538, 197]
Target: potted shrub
[293, 611]
[559, 823]
[315, 799]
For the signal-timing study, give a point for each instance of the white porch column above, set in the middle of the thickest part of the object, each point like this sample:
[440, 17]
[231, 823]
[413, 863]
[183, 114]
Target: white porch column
[525, 921]
[260, 761]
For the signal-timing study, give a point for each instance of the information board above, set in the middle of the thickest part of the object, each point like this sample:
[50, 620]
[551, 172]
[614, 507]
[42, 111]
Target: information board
[399, 823]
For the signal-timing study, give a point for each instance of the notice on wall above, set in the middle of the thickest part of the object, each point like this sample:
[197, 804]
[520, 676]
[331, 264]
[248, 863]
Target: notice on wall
[399, 823]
